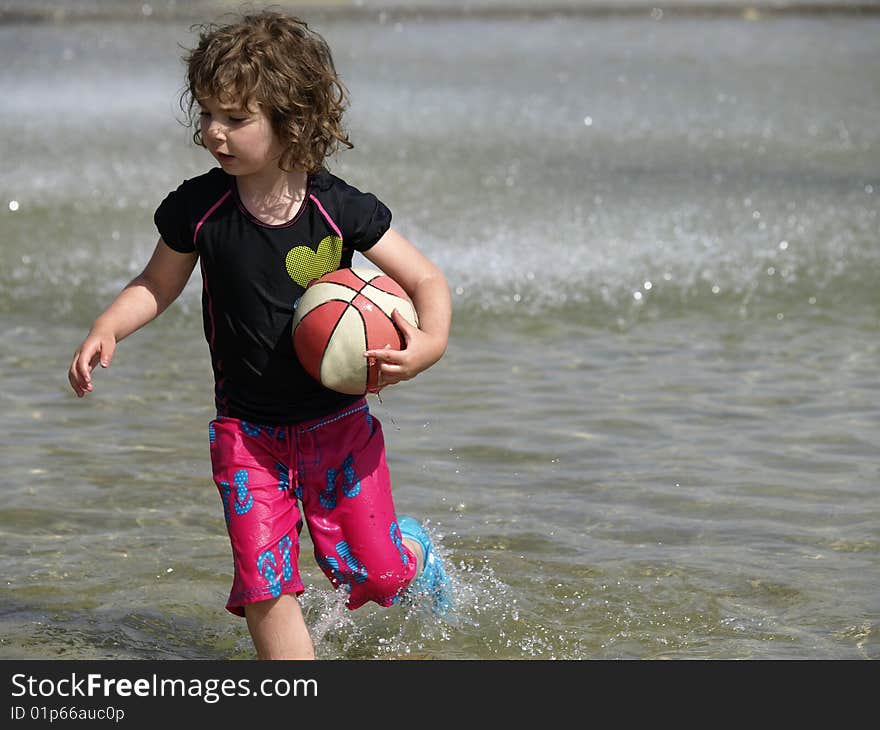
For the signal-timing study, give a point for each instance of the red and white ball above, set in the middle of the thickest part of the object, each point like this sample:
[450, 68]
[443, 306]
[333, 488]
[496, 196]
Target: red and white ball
[340, 316]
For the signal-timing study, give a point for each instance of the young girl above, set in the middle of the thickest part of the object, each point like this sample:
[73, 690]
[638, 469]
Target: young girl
[262, 225]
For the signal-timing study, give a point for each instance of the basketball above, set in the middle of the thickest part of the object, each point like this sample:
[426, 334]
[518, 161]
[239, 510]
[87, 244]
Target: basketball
[340, 316]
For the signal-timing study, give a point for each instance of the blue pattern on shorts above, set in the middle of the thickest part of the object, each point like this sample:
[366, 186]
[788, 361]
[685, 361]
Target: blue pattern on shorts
[251, 429]
[397, 540]
[255, 429]
[244, 500]
[357, 568]
[225, 491]
[351, 484]
[331, 565]
[283, 476]
[267, 566]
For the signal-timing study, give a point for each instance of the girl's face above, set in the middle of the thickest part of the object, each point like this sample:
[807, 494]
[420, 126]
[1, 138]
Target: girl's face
[241, 140]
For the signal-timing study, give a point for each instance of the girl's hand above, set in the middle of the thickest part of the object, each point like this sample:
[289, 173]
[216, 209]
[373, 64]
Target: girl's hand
[98, 346]
[420, 352]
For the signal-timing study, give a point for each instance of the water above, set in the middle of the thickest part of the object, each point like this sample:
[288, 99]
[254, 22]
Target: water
[656, 430]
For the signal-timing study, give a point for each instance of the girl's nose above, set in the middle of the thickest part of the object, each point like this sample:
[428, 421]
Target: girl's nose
[216, 131]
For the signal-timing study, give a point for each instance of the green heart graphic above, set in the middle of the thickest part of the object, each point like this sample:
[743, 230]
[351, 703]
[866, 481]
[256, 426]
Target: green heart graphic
[304, 265]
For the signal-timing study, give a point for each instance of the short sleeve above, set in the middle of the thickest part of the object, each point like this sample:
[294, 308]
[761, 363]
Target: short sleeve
[364, 219]
[173, 223]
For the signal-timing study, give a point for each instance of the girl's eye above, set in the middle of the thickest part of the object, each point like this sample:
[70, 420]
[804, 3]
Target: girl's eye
[237, 119]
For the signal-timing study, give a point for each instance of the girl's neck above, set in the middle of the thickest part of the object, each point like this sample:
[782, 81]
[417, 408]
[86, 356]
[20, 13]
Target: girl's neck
[273, 197]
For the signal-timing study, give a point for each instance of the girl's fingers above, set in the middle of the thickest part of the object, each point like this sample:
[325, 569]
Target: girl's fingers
[383, 353]
[85, 360]
[403, 324]
[108, 347]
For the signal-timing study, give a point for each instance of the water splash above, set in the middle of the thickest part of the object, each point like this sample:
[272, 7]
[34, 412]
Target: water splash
[489, 620]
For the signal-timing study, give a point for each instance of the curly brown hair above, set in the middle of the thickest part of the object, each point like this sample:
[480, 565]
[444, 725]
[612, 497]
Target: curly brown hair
[275, 61]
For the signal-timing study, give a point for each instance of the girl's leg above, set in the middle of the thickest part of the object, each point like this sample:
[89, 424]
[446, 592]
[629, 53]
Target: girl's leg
[278, 629]
[415, 548]
[251, 471]
[347, 501]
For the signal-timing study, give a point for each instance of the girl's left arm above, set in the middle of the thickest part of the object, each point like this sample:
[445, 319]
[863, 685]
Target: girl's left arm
[429, 291]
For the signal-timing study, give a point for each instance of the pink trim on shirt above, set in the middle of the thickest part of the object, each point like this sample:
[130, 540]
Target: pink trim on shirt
[326, 215]
[210, 210]
[209, 306]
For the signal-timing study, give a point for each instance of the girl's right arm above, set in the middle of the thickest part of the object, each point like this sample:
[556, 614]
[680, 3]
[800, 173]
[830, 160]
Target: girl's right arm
[141, 301]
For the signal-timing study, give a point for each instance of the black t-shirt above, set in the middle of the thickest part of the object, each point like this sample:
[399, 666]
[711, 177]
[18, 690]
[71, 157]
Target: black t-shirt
[253, 274]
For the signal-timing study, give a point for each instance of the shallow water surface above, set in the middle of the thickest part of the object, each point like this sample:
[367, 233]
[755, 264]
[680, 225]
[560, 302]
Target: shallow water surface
[656, 430]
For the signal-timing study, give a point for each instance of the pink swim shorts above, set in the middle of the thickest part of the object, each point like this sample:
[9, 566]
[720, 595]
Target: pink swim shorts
[335, 468]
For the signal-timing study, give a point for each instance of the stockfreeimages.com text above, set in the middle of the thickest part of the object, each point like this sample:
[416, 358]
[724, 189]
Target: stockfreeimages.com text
[209, 690]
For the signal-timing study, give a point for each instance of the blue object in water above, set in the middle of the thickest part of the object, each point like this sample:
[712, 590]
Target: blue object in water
[432, 580]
